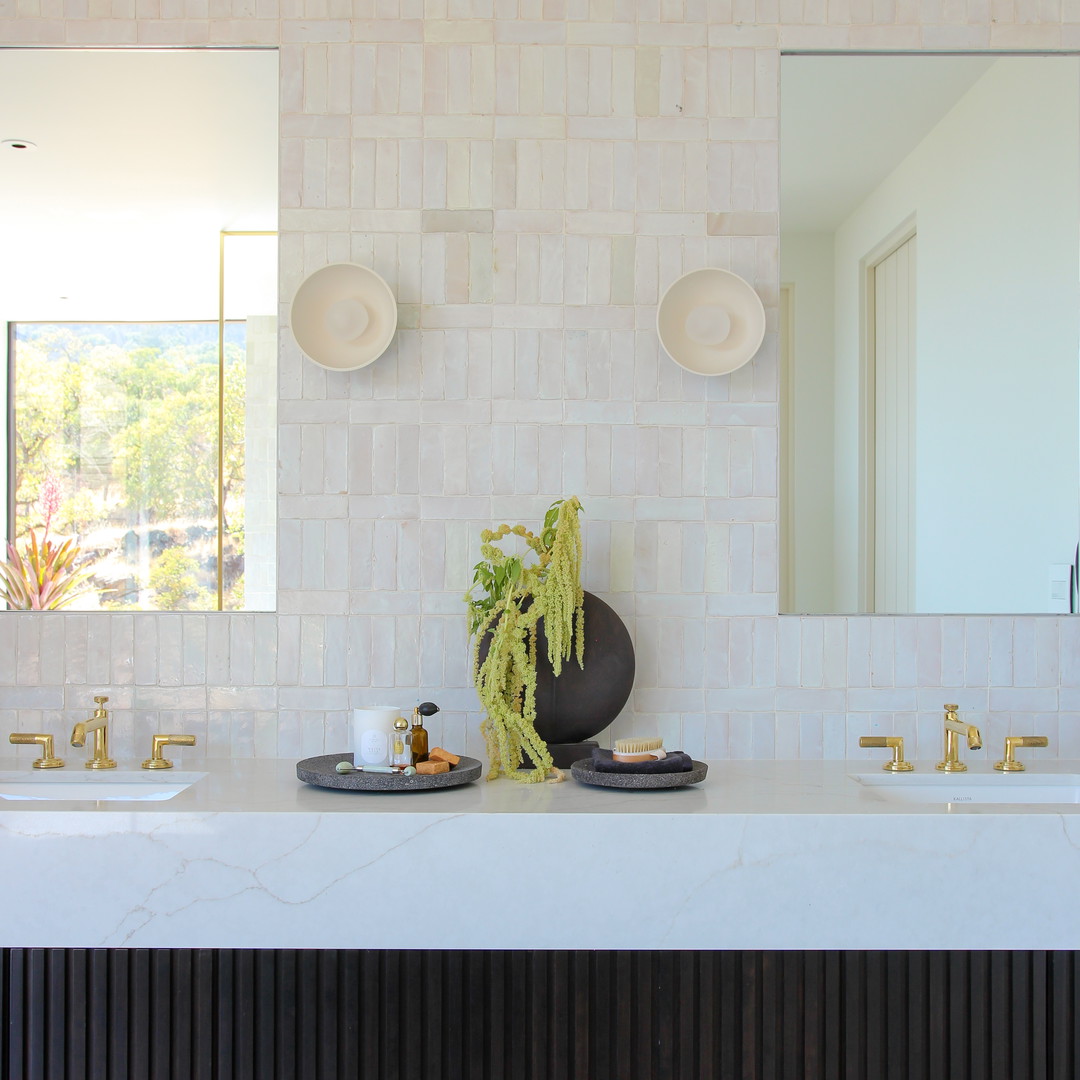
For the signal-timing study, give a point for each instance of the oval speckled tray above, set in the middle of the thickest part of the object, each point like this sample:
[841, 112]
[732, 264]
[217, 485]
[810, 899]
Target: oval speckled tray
[583, 770]
[321, 772]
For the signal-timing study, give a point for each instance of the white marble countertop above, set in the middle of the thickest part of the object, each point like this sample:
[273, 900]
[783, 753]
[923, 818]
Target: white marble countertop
[732, 787]
[762, 855]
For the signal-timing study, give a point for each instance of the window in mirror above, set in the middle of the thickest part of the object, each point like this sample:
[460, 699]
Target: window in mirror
[141, 280]
[929, 224]
[116, 430]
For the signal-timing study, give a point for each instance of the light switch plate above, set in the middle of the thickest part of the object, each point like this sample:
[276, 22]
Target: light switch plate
[1059, 587]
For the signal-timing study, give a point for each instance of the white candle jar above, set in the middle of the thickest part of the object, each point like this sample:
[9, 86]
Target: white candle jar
[371, 731]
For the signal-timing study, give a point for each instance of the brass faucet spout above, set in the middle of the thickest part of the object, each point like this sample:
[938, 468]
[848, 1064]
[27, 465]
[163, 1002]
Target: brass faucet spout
[98, 724]
[79, 732]
[969, 731]
[954, 728]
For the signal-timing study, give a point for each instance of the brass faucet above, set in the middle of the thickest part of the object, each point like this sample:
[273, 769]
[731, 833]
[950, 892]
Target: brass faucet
[954, 728]
[47, 760]
[896, 744]
[1009, 762]
[157, 759]
[99, 758]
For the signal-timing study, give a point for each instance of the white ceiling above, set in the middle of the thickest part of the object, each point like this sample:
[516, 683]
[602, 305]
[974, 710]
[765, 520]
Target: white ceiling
[142, 158]
[847, 121]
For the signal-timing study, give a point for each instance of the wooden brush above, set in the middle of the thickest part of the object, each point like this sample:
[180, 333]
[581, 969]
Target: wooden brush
[647, 749]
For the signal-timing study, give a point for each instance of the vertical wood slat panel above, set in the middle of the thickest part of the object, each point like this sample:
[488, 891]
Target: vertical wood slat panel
[1061, 1013]
[56, 1016]
[285, 1015]
[411, 1049]
[795, 979]
[76, 997]
[498, 1046]
[832, 1040]
[243, 1016]
[918, 1054]
[7, 1010]
[203, 1012]
[306, 1030]
[560, 1012]
[1038, 1025]
[582, 1022]
[183, 1013]
[979, 1006]
[138, 1047]
[97, 1046]
[224, 1020]
[119, 1019]
[601, 1051]
[214, 1014]
[371, 1014]
[937, 1022]
[162, 1050]
[15, 1009]
[35, 1016]
[348, 1033]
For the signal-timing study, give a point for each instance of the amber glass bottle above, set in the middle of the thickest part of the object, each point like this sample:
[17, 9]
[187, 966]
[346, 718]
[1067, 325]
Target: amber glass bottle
[419, 737]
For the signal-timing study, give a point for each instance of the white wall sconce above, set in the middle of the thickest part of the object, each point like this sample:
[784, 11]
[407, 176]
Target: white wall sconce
[710, 321]
[343, 316]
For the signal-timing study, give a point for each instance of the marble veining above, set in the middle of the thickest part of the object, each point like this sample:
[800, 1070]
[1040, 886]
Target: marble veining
[763, 855]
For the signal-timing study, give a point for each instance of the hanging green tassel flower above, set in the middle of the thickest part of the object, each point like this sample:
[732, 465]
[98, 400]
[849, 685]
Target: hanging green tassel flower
[515, 598]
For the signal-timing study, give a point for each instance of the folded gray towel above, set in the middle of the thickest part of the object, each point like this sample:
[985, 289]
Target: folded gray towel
[676, 761]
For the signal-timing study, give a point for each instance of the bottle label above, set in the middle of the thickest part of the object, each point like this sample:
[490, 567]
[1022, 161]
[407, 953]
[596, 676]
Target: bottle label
[373, 747]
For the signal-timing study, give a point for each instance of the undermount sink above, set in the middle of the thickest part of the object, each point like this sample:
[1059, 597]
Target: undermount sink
[971, 787]
[64, 786]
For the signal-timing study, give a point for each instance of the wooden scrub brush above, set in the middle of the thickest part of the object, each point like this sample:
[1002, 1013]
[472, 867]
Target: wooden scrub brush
[639, 749]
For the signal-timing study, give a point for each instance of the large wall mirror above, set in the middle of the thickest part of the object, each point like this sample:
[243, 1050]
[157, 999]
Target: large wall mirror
[930, 333]
[138, 292]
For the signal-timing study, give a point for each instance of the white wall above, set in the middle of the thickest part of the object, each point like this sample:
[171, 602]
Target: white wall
[806, 262]
[528, 178]
[994, 193]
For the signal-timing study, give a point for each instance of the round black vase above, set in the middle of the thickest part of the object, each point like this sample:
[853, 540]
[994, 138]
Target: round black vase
[581, 702]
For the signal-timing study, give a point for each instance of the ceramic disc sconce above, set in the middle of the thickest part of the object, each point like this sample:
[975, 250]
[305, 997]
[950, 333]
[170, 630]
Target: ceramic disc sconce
[710, 321]
[343, 316]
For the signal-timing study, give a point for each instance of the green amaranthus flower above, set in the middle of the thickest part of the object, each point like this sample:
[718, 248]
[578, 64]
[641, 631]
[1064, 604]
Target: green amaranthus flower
[506, 617]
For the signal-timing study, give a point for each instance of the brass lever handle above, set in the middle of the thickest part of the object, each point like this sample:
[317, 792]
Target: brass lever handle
[47, 759]
[157, 760]
[1014, 742]
[896, 744]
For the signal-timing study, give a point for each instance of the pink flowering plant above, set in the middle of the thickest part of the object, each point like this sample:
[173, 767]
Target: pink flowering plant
[43, 576]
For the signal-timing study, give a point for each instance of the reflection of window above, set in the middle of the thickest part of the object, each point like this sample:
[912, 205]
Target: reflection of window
[115, 434]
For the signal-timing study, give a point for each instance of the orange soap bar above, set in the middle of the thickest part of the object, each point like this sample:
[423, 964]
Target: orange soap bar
[427, 767]
[439, 754]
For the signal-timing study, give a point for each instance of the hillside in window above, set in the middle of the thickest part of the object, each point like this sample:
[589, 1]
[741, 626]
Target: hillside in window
[115, 445]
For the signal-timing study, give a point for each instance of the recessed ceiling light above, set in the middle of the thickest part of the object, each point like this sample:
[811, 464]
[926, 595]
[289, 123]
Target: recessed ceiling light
[18, 144]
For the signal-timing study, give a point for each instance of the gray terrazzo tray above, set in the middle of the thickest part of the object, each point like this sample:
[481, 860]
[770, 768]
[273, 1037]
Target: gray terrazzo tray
[321, 772]
[583, 771]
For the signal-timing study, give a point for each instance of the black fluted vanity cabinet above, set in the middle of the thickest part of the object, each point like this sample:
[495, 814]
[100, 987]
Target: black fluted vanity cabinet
[284, 1014]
